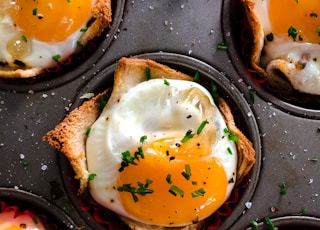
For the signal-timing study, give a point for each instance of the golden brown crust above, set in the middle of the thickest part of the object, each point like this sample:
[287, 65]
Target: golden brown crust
[102, 14]
[258, 36]
[246, 152]
[69, 136]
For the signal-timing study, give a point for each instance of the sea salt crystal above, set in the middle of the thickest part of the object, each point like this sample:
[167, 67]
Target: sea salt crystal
[248, 204]
[44, 167]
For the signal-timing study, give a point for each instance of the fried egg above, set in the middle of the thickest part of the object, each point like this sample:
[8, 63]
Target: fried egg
[161, 155]
[23, 221]
[38, 34]
[289, 31]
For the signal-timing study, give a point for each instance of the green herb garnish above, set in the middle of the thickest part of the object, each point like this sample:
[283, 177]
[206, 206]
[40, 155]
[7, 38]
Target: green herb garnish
[229, 150]
[127, 159]
[103, 103]
[199, 192]
[201, 127]
[252, 96]
[314, 159]
[189, 133]
[254, 224]
[168, 179]
[187, 173]
[148, 73]
[268, 222]
[194, 182]
[141, 190]
[24, 38]
[222, 46]
[88, 131]
[79, 44]
[166, 82]
[231, 136]
[293, 32]
[25, 163]
[174, 190]
[143, 138]
[34, 11]
[83, 29]
[196, 76]
[318, 31]
[214, 90]
[91, 176]
[283, 189]
[56, 57]
[303, 211]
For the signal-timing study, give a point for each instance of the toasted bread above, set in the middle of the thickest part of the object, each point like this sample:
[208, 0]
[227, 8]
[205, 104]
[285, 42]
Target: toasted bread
[101, 19]
[69, 136]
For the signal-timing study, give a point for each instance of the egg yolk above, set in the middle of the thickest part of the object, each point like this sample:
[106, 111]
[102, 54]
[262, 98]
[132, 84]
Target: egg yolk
[174, 173]
[50, 21]
[303, 15]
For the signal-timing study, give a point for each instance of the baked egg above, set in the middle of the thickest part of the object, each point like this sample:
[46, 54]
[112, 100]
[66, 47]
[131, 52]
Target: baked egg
[161, 155]
[35, 35]
[10, 220]
[286, 42]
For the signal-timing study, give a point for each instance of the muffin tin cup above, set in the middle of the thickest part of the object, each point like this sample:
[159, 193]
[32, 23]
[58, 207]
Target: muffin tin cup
[233, 23]
[290, 223]
[79, 64]
[26, 201]
[241, 110]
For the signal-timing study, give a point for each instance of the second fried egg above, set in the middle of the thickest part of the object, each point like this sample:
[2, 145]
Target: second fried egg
[161, 155]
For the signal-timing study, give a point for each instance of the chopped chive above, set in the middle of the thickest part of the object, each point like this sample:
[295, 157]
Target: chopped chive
[196, 76]
[268, 222]
[283, 189]
[303, 211]
[202, 125]
[25, 163]
[103, 103]
[141, 190]
[194, 182]
[83, 29]
[174, 190]
[222, 46]
[254, 224]
[187, 137]
[67, 205]
[88, 131]
[34, 11]
[143, 138]
[168, 179]
[314, 159]
[80, 45]
[24, 38]
[187, 173]
[199, 192]
[56, 57]
[91, 176]
[318, 31]
[293, 32]
[214, 90]
[252, 96]
[231, 136]
[148, 73]
[166, 82]
[229, 150]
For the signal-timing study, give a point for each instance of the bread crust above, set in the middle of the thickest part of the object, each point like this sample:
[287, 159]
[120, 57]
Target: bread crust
[102, 17]
[130, 72]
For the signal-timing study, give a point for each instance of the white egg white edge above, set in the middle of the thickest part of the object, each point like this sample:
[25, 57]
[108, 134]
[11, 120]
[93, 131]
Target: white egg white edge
[305, 80]
[100, 145]
[41, 52]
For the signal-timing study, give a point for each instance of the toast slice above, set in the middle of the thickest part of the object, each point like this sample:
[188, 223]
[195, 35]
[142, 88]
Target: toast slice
[69, 137]
[101, 19]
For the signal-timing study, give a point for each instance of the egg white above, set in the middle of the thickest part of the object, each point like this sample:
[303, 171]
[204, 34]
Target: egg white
[41, 53]
[285, 55]
[154, 109]
[10, 219]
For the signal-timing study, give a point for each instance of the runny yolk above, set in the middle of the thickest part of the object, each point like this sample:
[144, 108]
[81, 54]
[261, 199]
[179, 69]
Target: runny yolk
[50, 21]
[303, 15]
[163, 158]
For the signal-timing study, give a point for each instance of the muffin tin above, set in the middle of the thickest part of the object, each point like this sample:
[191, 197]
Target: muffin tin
[185, 35]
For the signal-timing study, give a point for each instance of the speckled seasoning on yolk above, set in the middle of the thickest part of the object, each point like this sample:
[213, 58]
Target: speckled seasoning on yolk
[302, 15]
[207, 173]
[50, 21]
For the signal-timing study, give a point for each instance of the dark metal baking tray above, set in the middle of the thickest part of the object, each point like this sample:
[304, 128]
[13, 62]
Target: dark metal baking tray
[288, 134]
